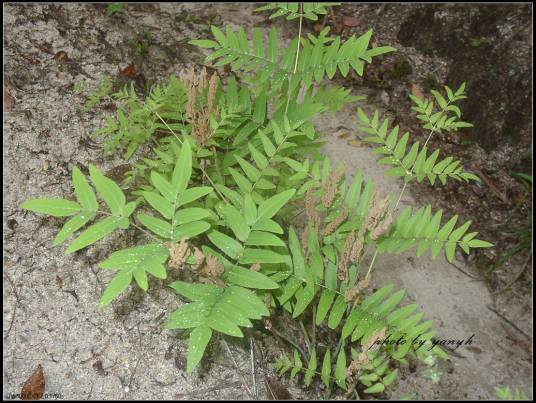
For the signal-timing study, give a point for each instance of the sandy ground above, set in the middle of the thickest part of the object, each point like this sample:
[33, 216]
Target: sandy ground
[50, 313]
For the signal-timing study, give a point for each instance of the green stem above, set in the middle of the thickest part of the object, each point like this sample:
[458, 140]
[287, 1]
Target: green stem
[339, 346]
[305, 336]
[136, 226]
[371, 264]
[434, 127]
[296, 61]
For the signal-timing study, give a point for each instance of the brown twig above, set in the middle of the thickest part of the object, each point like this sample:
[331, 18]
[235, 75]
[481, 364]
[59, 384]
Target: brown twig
[500, 315]
[516, 277]
[464, 272]
[491, 185]
[244, 384]
[253, 375]
[17, 298]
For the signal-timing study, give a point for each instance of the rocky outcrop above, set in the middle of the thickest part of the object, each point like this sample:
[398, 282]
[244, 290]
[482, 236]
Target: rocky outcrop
[489, 47]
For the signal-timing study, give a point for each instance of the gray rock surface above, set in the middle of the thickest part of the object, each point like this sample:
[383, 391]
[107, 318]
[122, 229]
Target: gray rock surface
[490, 47]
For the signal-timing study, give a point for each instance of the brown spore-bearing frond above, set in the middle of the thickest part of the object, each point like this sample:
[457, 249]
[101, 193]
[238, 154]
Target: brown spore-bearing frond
[329, 190]
[355, 366]
[201, 127]
[178, 253]
[354, 293]
[211, 270]
[382, 227]
[199, 258]
[199, 116]
[332, 226]
[213, 267]
[342, 270]
[310, 210]
[357, 248]
[362, 358]
[376, 211]
[211, 95]
[202, 81]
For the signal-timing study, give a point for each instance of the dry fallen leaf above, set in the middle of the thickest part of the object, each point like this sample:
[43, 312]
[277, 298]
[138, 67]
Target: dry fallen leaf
[34, 387]
[9, 101]
[59, 282]
[130, 71]
[61, 56]
[355, 143]
[415, 90]
[350, 21]
[318, 27]
[97, 366]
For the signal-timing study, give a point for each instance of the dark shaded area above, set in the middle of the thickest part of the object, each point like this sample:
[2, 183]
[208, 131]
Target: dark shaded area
[489, 47]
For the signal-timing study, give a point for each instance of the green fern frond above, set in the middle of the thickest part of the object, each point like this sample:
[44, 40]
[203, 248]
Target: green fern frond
[177, 223]
[335, 98]
[104, 89]
[293, 11]
[256, 239]
[134, 263]
[447, 117]
[505, 393]
[136, 121]
[422, 230]
[378, 312]
[86, 210]
[224, 310]
[315, 60]
[414, 164]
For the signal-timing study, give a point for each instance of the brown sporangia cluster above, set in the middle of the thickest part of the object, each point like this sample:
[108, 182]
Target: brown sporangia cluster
[350, 254]
[310, 209]
[209, 268]
[362, 358]
[332, 226]
[197, 88]
[329, 189]
[354, 293]
[178, 253]
[379, 218]
[377, 221]
[212, 269]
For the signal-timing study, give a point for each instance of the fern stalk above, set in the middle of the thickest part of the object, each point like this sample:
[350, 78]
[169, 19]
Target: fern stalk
[434, 127]
[297, 56]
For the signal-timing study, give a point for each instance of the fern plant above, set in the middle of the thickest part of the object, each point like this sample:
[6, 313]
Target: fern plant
[222, 170]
